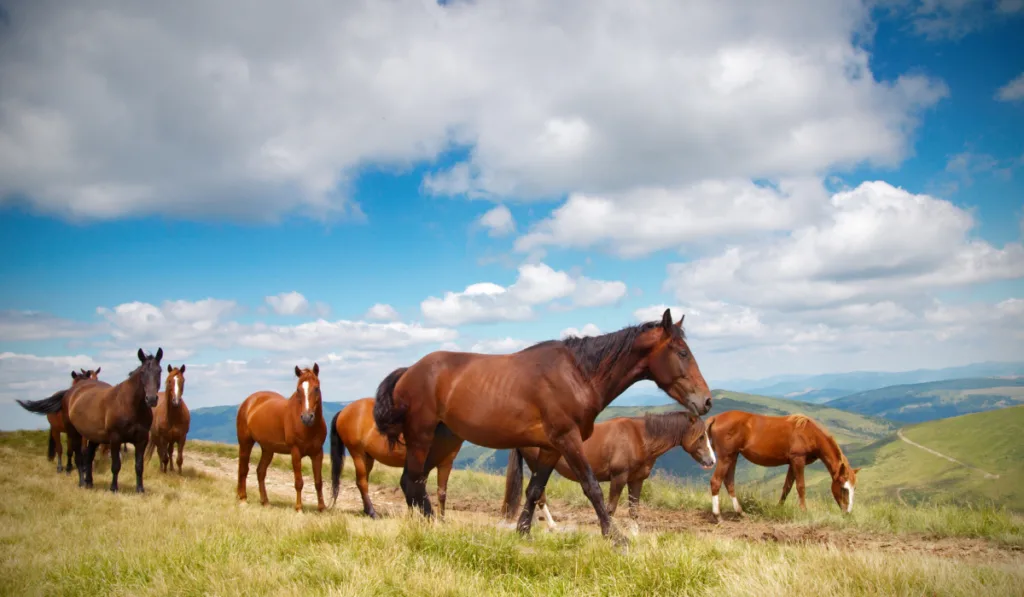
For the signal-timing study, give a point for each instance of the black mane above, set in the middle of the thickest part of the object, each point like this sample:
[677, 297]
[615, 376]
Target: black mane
[591, 352]
[671, 426]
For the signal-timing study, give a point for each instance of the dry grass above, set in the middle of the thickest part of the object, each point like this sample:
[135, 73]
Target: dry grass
[187, 536]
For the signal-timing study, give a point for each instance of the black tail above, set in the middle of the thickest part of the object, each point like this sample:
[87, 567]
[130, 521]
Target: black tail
[51, 449]
[389, 417]
[513, 484]
[44, 406]
[337, 459]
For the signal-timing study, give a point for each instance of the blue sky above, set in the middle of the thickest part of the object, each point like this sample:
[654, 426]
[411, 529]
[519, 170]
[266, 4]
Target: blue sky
[820, 188]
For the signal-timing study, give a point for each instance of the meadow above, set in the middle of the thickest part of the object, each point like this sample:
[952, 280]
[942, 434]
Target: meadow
[187, 536]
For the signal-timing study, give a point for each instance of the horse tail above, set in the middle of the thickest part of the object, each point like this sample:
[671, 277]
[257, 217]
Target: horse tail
[46, 405]
[149, 451]
[513, 483]
[51, 447]
[388, 416]
[337, 458]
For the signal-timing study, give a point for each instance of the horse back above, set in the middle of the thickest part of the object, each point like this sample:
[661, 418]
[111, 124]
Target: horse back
[262, 417]
[356, 427]
[763, 439]
[89, 408]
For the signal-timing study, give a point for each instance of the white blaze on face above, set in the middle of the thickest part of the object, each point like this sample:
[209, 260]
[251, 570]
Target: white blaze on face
[714, 505]
[714, 459]
[177, 388]
[305, 391]
[849, 504]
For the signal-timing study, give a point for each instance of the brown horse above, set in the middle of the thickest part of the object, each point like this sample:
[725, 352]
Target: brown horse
[545, 396]
[622, 450]
[353, 429]
[284, 426]
[793, 440]
[170, 421]
[105, 414]
[54, 446]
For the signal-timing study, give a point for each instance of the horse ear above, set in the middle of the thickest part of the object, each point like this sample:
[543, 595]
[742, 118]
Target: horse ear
[74, 375]
[98, 370]
[681, 318]
[159, 354]
[142, 356]
[842, 468]
[182, 370]
[168, 367]
[666, 320]
[298, 372]
[316, 370]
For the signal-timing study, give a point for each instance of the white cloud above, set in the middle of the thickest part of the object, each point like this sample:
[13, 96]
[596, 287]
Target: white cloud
[1012, 91]
[323, 335]
[381, 312]
[645, 220]
[878, 243]
[536, 284]
[954, 19]
[499, 346]
[498, 221]
[288, 303]
[587, 330]
[33, 325]
[110, 112]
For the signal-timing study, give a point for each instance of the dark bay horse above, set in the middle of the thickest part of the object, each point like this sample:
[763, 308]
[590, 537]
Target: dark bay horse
[353, 429]
[105, 414]
[793, 440]
[54, 446]
[545, 396]
[623, 451]
[171, 421]
[284, 426]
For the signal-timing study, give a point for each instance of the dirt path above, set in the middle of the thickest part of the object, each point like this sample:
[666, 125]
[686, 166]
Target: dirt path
[390, 502]
[987, 474]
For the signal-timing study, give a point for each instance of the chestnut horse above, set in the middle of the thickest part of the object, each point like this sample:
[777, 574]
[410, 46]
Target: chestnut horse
[545, 396]
[170, 421]
[353, 429]
[54, 446]
[794, 440]
[105, 414]
[622, 450]
[284, 426]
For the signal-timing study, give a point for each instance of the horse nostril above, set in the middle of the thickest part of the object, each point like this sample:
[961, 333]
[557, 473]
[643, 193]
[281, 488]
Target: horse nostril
[707, 403]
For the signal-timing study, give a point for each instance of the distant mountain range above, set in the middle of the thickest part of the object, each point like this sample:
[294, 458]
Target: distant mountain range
[821, 388]
[915, 403]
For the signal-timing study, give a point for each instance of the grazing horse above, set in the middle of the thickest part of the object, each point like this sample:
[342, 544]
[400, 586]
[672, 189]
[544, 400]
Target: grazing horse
[545, 396]
[284, 426]
[793, 440]
[54, 446]
[353, 429]
[170, 421]
[105, 414]
[622, 450]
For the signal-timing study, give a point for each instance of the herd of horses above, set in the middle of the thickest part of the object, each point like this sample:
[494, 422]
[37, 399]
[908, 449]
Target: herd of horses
[540, 403]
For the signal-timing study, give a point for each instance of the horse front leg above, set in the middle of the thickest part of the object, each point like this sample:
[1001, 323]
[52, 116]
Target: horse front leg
[615, 491]
[115, 464]
[181, 454]
[635, 487]
[788, 485]
[297, 469]
[571, 446]
[140, 462]
[798, 473]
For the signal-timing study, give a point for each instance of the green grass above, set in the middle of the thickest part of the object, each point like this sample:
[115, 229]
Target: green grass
[186, 536]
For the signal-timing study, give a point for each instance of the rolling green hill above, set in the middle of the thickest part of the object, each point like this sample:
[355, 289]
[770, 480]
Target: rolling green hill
[987, 443]
[217, 423]
[915, 403]
[850, 430]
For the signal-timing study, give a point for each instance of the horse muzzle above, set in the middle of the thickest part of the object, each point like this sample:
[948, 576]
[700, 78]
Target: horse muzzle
[151, 401]
[307, 419]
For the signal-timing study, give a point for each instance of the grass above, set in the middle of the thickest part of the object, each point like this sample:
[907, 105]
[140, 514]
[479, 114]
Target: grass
[186, 536]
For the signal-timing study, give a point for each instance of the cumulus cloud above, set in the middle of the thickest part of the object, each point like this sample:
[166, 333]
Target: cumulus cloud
[382, 312]
[1012, 91]
[953, 19]
[110, 112]
[498, 221]
[499, 346]
[587, 330]
[33, 325]
[536, 284]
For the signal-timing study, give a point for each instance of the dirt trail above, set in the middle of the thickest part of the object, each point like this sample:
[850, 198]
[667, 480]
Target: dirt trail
[390, 502]
[987, 474]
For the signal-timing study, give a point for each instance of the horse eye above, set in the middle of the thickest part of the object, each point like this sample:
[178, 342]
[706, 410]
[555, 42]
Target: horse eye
[683, 354]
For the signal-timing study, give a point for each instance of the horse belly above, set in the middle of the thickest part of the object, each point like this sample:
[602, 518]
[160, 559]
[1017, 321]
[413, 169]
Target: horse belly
[764, 459]
[89, 422]
[494, 430]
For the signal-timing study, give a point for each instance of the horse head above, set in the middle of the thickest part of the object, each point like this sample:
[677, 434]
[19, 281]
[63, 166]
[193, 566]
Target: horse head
[308, 390]
[672, 366]
[149, 372]
[697, 443]
[85, 374]
[175, 383]
[843, 485]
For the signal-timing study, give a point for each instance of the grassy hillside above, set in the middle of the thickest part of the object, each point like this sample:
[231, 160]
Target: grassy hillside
[989, 441]
[916, 403]
[850, 429]
[217, 423]
[187, 536]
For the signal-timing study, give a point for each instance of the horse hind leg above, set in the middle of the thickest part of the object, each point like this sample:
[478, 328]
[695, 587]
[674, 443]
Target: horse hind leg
[635, 487]
[414, 478]
[730, 486]
[788, 485]
[615, 492]
[266, 457]
[244, 454]
[181, 454]
[571, 447]
[546, 460]
[442, 454]
[364, 464]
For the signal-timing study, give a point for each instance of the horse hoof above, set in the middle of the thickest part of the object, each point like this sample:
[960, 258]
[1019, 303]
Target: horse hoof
[140, 490]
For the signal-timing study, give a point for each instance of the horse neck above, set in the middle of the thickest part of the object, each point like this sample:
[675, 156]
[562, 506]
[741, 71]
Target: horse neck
[660, 438]
[131, 390]
[610, 383]
[829, 452]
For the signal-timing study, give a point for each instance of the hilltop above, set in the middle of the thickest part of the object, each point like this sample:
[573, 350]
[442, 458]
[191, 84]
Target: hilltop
[915, 403]
[984, 444]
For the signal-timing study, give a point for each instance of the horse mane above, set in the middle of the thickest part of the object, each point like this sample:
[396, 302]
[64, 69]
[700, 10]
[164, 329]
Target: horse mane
[591, 352]
[801, 421]
[670, 427]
